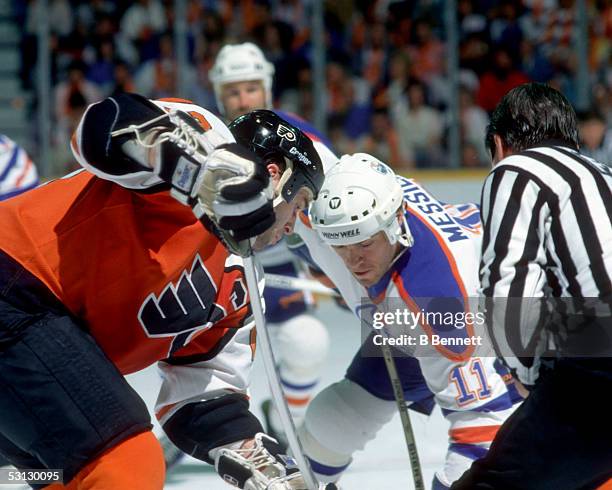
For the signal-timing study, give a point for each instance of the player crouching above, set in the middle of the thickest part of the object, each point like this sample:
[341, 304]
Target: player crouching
[388, 245]
[128, 263]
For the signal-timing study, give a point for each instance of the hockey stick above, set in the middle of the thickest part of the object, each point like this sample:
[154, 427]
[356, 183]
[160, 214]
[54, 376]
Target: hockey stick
[301, 284]
[298, 284]
[398, 392]
[267, 356]
[172, 454]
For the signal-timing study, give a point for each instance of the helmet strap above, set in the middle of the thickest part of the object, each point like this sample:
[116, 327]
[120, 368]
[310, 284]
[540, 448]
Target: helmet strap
[404, 236]
[398, 230]
[278, 191]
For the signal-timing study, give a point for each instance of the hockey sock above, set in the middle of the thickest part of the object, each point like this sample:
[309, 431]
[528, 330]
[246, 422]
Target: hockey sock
[136, 463]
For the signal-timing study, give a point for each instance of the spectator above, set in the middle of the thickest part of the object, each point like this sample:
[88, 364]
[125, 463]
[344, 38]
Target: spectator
[420, 132]
[470, 21]
[122, 79]
[58, 13]
[141, 23]
[388, 42]
[101, 72]
[375, 55]
[90, 13]
[72, 96]
[299, 99]
[399, 70]
[506, 29]
[340, 141]
[61, 23]
[500, 79]
[428, 62]
[157, 77]
[470, 157]
[473, 53]
[474, 121]
[427, 54]
[349, 97]
[595, 137]
[383, 142]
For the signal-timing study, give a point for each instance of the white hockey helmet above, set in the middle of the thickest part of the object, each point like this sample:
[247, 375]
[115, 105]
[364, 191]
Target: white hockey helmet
[241, 63]
[360, 197]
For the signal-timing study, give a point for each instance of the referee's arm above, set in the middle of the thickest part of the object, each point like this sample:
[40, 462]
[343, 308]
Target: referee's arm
[515, 215]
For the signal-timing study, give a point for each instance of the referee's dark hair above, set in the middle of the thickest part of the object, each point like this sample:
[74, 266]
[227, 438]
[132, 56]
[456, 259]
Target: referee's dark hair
[529, 114]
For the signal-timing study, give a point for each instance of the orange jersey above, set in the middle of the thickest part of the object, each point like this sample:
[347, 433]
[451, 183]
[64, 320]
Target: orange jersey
[146, 277]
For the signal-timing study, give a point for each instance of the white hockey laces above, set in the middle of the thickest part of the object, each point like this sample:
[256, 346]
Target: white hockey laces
[262, 460]
[259, 457]
[183, 135]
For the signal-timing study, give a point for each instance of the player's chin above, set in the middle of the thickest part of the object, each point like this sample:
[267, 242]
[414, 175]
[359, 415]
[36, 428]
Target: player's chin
[266, 239]
[365, 278]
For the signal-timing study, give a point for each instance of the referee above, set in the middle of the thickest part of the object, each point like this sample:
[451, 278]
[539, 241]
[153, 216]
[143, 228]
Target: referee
[547, 218]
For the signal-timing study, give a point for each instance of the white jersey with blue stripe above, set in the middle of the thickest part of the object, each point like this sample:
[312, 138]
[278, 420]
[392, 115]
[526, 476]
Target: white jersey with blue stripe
[442, 263]
[17, 172]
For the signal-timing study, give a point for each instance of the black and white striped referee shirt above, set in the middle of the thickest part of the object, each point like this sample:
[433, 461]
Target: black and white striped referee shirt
[547, 219]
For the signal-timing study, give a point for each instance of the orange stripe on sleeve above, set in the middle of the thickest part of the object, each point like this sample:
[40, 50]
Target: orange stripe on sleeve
[25, 172]
[175, 99]
[449, 256]
[304, 219]
[474, 435]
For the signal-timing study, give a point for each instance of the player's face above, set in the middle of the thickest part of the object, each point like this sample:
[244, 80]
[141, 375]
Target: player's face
[239, 98]
[368, 260]
[285, 214]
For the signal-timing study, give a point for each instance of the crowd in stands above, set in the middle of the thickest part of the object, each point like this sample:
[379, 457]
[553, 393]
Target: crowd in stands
[386, 63]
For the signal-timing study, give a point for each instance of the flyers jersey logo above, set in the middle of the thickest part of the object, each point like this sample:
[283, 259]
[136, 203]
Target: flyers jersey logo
[184, 309]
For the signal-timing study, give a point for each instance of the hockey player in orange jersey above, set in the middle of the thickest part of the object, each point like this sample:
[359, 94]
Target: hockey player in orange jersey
[135, 259]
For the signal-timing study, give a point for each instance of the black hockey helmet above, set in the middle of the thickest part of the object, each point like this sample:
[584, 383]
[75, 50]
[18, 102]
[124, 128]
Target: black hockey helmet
[270, 136]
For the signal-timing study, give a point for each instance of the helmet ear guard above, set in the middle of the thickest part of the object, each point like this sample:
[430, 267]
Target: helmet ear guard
[360, 197]
[265, 133]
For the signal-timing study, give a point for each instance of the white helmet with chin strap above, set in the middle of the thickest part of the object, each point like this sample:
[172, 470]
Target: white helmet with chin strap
[359, 198]
[241, 63]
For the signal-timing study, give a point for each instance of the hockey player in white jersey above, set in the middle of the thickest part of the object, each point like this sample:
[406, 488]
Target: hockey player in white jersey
[17, 172]
[242, 80]
[386, 242]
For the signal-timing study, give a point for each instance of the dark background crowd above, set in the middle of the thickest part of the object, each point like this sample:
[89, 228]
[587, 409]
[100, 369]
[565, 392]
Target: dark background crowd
[387, 86]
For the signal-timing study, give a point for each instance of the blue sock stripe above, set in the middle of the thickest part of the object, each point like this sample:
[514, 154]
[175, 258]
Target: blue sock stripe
[471, 451]
[322, 469]
[438, 485]
[292, 386]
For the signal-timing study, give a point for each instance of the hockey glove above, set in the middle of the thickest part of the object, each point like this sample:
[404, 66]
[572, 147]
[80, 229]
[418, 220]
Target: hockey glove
[261, 467]
[222, 180]
[236, 193]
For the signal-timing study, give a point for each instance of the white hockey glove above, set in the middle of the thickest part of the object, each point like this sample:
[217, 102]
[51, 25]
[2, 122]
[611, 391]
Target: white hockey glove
[236, 193]
[221, 180]
[261, 467]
